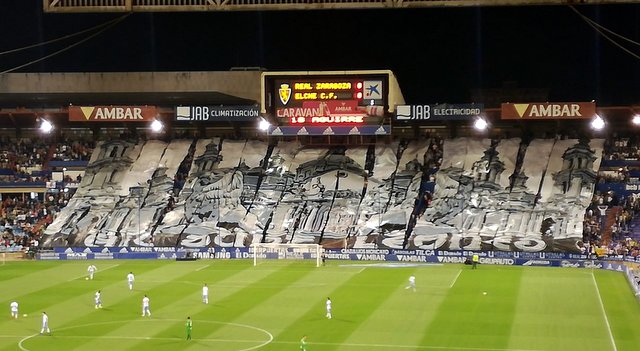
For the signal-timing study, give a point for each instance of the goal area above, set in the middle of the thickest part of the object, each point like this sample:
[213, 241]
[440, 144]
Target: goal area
[307, 252]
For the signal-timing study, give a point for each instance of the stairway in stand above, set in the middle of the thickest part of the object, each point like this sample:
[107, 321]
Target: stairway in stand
[610, 220]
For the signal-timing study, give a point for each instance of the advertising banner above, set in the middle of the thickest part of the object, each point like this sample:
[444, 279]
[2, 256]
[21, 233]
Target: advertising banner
[329, 130]
[437, 112]
[236, 113]
[549, 110]
[112, 113]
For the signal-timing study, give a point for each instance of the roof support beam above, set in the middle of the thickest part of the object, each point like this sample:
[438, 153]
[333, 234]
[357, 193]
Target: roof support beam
[80, 6]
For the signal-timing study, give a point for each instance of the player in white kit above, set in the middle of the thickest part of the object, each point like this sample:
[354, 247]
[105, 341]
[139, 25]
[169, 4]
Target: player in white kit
[91, 269]
[45, 323]
[205, 294]
[412, 283]
[328, 308]
[130, 280]
[98, 300]
[145, 306]
[14, 309]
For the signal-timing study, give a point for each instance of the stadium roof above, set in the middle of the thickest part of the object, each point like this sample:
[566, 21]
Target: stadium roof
[57, 100]
[69, 6]
[42, 90]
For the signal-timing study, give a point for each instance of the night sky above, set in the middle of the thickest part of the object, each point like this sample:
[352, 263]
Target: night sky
[438, 54]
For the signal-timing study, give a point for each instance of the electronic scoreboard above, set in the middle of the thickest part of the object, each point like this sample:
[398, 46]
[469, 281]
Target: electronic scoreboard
[326, 100]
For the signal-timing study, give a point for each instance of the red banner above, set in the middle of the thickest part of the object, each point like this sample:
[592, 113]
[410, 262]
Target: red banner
[549, 110]
[112, 113]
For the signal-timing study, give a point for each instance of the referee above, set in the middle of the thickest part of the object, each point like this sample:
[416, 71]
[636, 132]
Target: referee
[189, 326]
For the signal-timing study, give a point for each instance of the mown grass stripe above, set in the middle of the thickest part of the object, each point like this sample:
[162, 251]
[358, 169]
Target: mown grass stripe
[353, 301]
[191, 305]
[467, 318]
[402, 317]
[163, 305]
[622, 309]
[280, 313]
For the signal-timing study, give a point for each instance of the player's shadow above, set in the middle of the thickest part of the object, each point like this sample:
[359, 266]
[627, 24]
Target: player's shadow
[334, 319]
[170, 342]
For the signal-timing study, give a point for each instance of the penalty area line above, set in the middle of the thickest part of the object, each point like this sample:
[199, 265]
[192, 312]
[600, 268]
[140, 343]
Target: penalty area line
[203, 267]
[245, 341]
[455, 279]
[86, 275]
[390, 346]
[604, 313]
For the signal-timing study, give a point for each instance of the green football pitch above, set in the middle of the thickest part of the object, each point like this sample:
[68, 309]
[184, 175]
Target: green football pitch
[271, 306]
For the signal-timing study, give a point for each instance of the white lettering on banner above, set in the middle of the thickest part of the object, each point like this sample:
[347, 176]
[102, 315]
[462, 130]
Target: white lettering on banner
[555, 110]
[298, 112]
[200, 113]
[422, 112]
[118, 113]
[592, 264]
[337, 256]
[411, 258]
[451, 259]
[338, 119]
[369, 257]
[456, 111]
[501, 261]
[569, 264]
[365, 251]
[140, 249]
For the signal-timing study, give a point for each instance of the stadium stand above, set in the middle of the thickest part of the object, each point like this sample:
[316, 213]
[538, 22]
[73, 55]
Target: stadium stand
[235, 192]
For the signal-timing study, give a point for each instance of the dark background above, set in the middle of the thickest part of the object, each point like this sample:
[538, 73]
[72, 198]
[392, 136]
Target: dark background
[438, 54]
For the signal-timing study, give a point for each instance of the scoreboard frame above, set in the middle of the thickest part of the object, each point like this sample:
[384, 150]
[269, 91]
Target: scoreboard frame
[312, 98]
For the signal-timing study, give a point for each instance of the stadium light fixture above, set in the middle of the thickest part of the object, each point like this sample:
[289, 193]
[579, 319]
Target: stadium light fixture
[46, 126]
[597, 123]
[156, 126]
[264, 124]
[480, 124]
[636, 120]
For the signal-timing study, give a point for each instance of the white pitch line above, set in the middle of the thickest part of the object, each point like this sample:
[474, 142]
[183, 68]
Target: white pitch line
[455, 279]
[427, 347]
[116, 337]
[604, 313]
[97, 272]
[386, 346]
[203, 267]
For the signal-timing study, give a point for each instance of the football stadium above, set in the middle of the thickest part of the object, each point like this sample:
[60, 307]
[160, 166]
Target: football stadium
[314, 208]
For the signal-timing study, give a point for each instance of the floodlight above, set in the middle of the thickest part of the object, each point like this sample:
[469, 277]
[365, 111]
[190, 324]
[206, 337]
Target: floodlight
[480, 124]
[597, 123]
[156, 126]
[46, 126]
[263, 124]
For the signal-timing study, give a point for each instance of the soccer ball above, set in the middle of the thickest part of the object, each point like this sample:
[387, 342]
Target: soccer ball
[24, 315]
[86, 278]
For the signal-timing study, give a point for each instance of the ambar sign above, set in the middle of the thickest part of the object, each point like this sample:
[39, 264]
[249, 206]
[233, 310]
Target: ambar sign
[112, 113]
[549, 110]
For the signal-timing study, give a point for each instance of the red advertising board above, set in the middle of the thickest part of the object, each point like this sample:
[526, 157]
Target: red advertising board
[112, 113]
[549, 110]
[328, 112]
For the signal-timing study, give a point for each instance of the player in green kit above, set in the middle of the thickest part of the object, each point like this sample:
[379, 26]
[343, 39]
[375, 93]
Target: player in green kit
[303, 343]
[189, 326]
